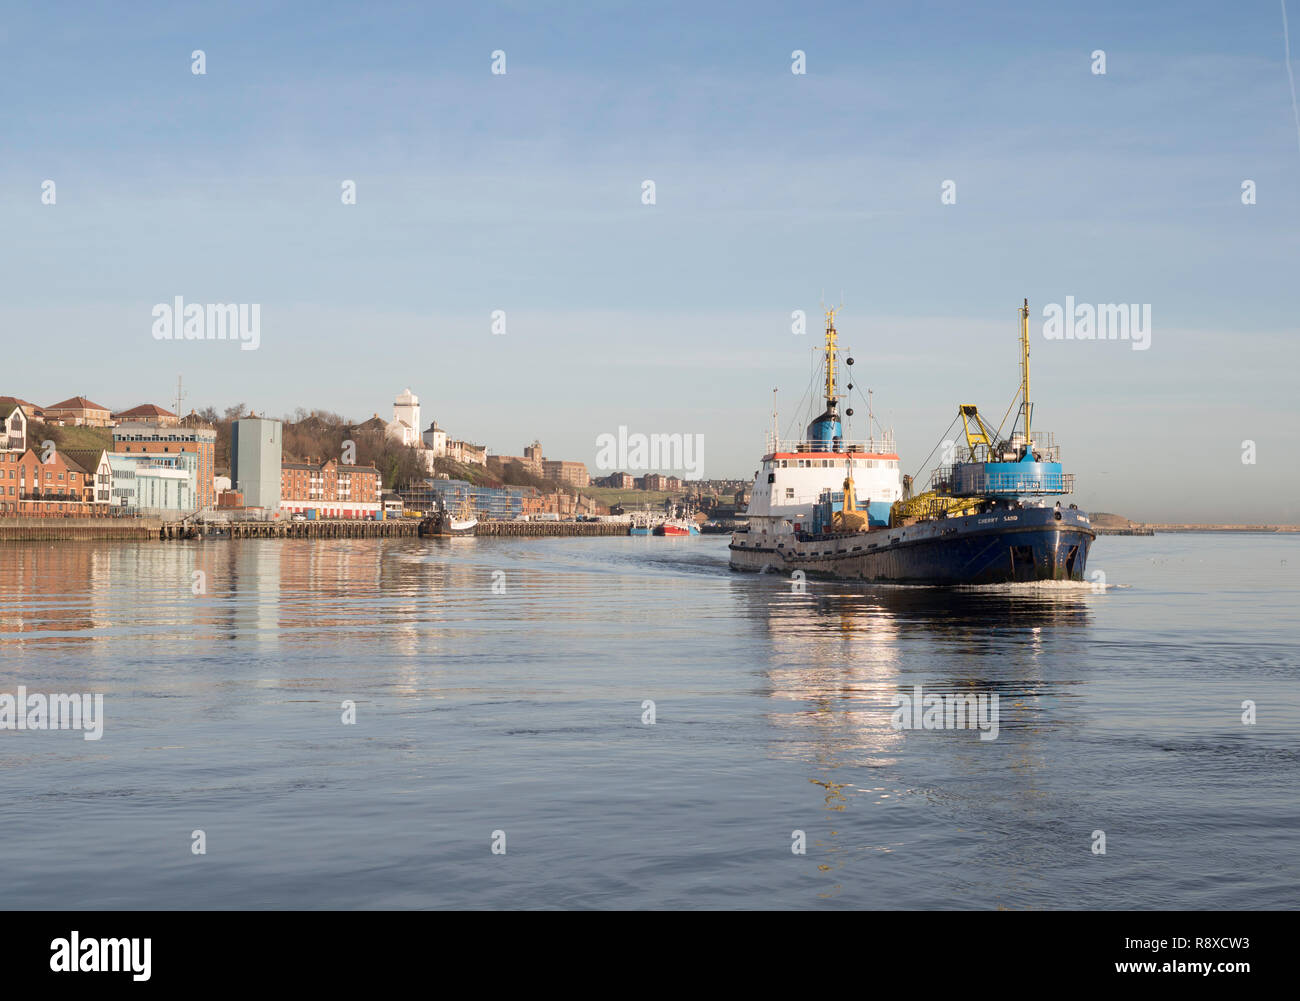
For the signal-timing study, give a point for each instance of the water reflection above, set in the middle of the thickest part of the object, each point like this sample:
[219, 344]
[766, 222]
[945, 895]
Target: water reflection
[838, 655]
[258, 592]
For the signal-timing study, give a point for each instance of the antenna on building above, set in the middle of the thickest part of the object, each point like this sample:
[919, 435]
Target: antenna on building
[179, 396]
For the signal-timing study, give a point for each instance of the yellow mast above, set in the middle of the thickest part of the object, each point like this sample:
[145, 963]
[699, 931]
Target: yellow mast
[830, 357]
[1024, 369]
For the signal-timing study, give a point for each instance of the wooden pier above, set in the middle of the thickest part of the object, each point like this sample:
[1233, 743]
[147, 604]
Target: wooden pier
[343, 529]
[551, 529]
[152, 529]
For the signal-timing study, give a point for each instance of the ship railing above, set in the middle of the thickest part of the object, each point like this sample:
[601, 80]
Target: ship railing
[846, 445]
[1005, 483]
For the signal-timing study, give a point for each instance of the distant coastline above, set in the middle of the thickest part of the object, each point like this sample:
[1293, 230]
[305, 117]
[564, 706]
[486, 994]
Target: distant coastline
[1105, 523]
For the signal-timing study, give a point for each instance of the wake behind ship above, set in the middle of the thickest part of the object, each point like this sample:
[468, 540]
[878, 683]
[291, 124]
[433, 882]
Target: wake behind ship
[828, 505]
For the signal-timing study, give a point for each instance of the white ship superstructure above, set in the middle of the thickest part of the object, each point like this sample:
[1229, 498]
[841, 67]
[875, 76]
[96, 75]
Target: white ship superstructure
[795, 473]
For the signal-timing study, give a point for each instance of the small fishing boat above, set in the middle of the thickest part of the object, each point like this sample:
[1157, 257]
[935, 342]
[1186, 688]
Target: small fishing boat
[677, 525]
[442, 524]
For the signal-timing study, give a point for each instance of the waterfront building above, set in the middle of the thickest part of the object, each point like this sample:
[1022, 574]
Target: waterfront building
[154, 439]
[58, 487]
[97, 472]
[256, 460]
[156, 484]
[78, 411]
[330, 490]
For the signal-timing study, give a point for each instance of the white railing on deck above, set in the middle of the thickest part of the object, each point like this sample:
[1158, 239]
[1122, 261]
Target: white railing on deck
[884, 443]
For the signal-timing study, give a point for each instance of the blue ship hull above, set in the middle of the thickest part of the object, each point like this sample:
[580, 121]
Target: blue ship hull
[998, 547]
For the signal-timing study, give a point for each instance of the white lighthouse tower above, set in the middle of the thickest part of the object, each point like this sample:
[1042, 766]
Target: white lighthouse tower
[406, 418]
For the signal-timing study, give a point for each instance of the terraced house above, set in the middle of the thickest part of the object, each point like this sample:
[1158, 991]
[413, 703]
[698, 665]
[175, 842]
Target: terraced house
[59, 487]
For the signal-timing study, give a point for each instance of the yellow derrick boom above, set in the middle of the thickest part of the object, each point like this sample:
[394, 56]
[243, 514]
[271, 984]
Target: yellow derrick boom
[931, 505]
[977, 432]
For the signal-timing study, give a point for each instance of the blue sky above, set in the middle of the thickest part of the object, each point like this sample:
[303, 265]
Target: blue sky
[521, 192]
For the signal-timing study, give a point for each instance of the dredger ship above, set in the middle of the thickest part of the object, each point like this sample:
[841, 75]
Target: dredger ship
[832, 506]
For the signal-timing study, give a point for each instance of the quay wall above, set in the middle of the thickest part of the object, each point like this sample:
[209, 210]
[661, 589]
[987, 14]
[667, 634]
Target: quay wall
[76, 529]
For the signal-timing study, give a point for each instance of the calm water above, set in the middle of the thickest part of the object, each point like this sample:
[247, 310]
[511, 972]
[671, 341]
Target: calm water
[522, 712]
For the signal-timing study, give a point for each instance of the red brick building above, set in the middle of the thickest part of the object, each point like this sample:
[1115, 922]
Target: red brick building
[330, 489]
[30, 488]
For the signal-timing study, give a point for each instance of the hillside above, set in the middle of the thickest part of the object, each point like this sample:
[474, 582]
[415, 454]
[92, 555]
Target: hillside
[68, 437]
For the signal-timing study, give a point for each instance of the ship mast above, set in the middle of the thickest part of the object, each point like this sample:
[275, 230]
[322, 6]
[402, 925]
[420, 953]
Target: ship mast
[830, 359]
[1024, 372]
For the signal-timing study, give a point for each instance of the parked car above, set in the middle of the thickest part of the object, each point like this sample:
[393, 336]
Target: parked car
[298, 516]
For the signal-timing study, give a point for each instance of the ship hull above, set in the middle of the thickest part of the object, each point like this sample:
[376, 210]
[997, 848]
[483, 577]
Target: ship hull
[1030, 544]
